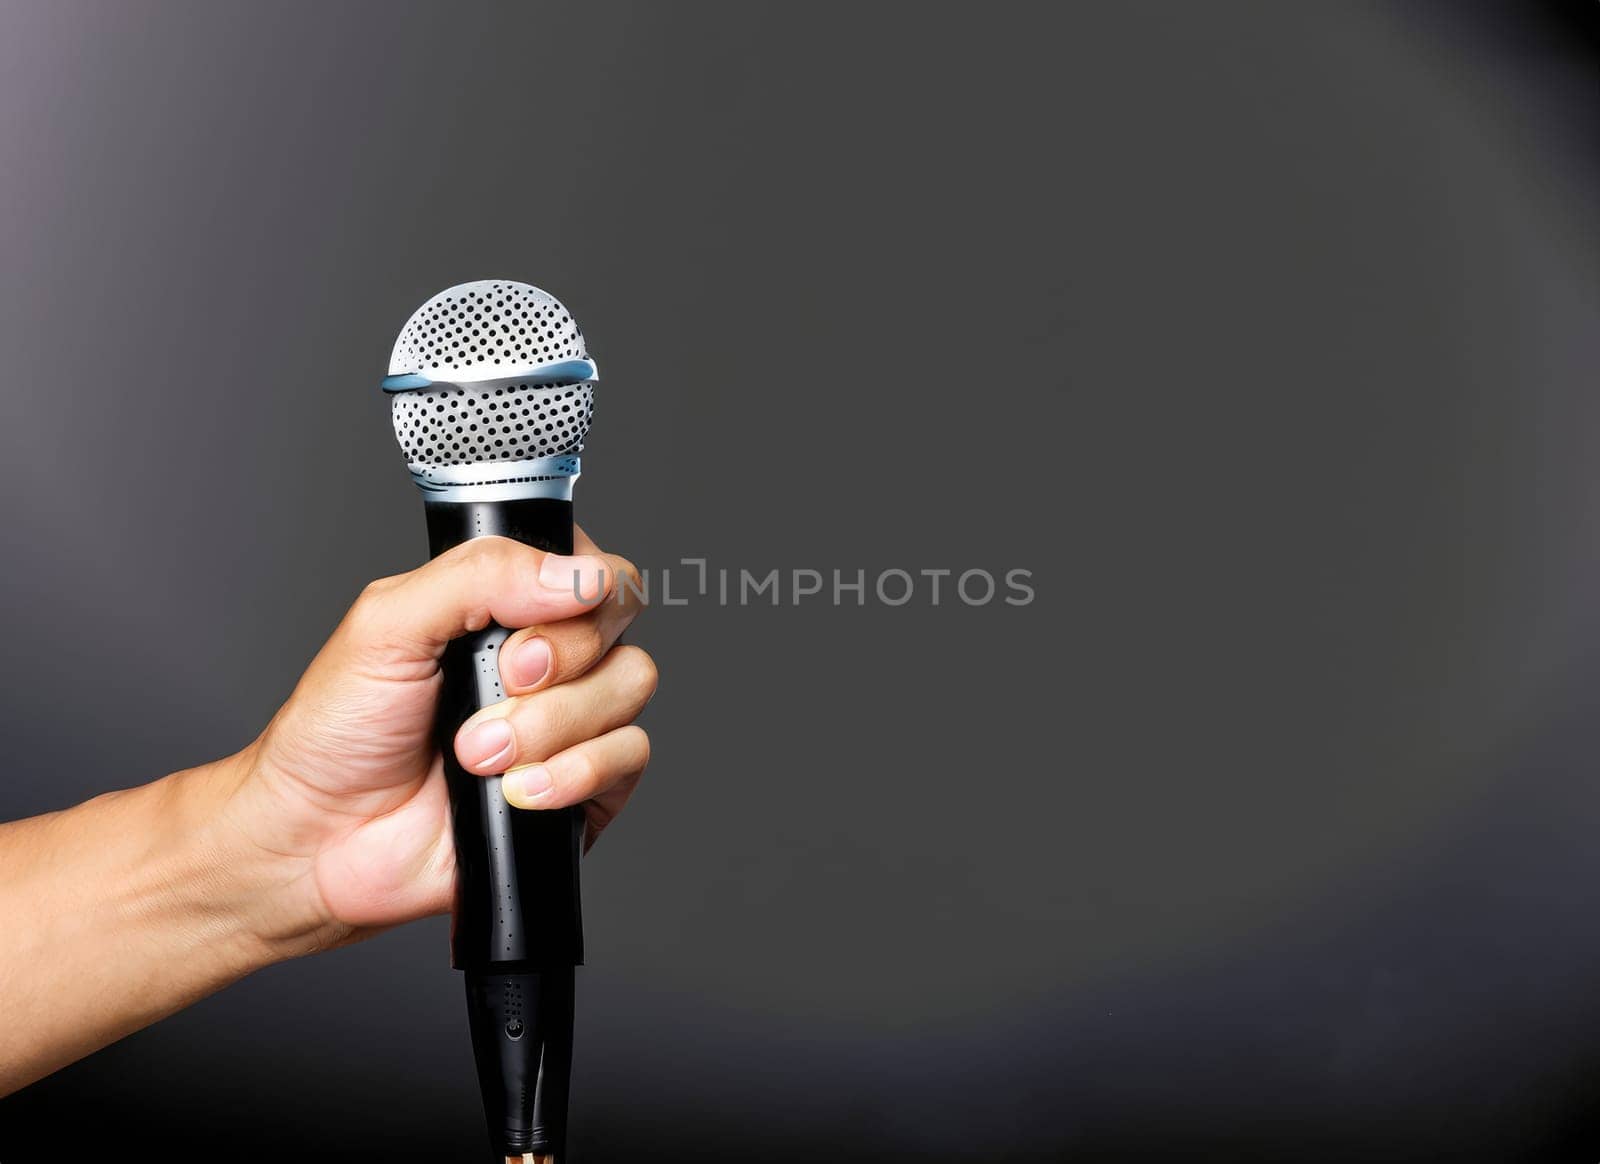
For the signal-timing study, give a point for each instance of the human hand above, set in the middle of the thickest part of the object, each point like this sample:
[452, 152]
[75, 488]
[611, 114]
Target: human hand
[343, 796]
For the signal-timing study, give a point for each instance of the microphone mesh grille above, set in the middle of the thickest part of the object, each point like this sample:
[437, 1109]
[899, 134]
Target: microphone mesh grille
[491, 328]
[517, 422]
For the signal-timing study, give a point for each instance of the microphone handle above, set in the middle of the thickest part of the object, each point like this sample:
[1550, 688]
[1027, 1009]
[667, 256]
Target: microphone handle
[518, 924]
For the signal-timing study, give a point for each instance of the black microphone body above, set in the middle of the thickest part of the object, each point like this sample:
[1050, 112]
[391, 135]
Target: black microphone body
[518, 928]
[491, 392]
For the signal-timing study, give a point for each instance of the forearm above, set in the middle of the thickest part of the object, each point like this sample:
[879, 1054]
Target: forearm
[124, 909]
[332, 825]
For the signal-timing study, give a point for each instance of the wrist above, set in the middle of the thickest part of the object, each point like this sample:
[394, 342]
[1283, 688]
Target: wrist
[256, 906]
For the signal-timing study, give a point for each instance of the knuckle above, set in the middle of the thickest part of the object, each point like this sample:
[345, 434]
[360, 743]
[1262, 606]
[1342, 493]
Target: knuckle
[642, 749]
[579, 772]
[629, 580]
[581, 644]
[638, 671]
[382, 585]
[365, 609]
[485, 569]
[591, 642]
[377, 589]
[539, 721]
[482, 556]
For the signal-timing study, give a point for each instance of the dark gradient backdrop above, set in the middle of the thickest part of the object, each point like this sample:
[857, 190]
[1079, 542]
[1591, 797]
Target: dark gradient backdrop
[1265, 334]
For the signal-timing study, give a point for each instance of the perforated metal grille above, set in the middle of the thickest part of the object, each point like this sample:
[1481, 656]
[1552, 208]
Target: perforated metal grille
[493, 330]
[490, 328]
[460, 425]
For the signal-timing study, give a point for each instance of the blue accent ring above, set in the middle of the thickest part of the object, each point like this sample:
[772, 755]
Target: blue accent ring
[404, 383]
[546, 374]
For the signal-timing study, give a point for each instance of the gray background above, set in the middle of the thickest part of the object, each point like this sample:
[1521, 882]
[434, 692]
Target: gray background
[1264, 334]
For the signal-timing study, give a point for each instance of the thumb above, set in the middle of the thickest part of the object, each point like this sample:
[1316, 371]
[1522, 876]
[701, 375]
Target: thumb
[490, 579]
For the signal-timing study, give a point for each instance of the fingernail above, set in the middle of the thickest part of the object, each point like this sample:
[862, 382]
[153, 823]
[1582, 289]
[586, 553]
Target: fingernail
[529, 663]
[580, 576]
[523, 786]
[486, 745]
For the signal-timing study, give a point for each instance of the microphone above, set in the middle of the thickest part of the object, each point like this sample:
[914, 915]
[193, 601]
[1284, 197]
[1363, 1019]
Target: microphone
[492, 391]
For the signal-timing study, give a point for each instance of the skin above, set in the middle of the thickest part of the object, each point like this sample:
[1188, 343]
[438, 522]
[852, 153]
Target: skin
[334, 823]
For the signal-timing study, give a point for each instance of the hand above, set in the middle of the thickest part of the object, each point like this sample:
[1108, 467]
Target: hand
[345, 792]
